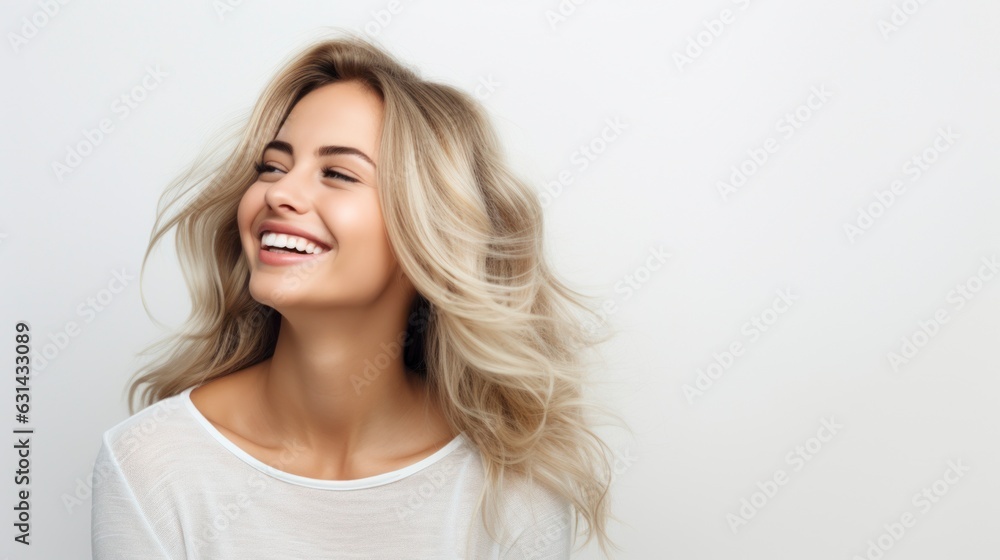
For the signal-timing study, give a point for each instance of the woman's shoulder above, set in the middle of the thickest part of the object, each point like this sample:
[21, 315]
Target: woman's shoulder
[531, 501]
[170, 419]
[223, 403]
[535, 521]
[220, 400]
[156, 418]
[541, 519]
[137, 451]
[150, 436]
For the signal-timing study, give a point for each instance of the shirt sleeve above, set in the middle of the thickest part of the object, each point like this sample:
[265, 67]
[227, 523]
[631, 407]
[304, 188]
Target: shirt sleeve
[119, 528]
[549, 536]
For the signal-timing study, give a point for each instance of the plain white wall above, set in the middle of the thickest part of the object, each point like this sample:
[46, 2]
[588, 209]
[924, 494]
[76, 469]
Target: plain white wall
[838, 97]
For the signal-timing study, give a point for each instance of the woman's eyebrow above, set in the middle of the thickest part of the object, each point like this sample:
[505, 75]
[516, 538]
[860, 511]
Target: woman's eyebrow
[285, 147]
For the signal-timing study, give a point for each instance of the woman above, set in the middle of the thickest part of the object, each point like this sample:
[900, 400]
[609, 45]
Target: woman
[379, 362]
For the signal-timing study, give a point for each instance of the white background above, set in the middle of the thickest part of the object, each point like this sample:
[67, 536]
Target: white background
[681, 480]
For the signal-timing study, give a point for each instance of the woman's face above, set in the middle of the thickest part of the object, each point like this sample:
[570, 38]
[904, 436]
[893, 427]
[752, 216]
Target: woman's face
[318, 180]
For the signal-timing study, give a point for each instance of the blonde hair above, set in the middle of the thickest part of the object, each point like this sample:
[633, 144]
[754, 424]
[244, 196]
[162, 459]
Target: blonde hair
[499, 341]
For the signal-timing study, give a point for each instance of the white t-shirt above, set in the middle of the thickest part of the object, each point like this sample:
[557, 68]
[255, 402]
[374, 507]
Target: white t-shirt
[168, 485]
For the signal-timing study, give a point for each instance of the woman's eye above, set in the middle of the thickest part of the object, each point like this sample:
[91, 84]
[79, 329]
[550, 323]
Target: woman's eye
[265, 168]
[337, 175]
[327, 172]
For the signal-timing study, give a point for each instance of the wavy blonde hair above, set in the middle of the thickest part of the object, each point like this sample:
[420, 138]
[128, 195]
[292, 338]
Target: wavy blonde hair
[501, 342]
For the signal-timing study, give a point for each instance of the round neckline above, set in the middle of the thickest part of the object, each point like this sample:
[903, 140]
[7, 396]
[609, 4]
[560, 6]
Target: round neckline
[354, 484]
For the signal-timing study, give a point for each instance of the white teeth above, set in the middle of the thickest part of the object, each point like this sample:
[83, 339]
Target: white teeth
[285, 241]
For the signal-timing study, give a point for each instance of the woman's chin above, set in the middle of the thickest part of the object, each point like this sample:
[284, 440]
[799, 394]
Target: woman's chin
[272, 294]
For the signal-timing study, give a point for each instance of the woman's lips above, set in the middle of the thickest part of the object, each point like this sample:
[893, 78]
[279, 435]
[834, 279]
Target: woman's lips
[284, 257]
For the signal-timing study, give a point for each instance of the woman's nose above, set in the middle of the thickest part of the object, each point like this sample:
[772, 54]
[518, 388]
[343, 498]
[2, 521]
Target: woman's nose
[286, 194]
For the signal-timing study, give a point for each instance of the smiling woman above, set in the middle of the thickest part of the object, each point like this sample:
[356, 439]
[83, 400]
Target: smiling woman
[379, 361]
